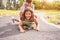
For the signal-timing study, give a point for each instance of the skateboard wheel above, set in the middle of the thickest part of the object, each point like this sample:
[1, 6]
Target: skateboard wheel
[25, 27]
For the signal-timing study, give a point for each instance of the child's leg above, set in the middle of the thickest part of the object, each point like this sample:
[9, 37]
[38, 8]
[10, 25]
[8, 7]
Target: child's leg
[14, 19]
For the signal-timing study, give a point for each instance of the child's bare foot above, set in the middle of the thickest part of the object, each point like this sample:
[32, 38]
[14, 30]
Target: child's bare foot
[13, 19]
[22, 31]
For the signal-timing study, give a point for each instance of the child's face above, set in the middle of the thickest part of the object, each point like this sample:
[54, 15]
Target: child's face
[28, 15]
[28, 4]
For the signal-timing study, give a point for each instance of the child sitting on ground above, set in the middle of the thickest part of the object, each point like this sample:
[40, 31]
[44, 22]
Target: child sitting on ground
[27, 17]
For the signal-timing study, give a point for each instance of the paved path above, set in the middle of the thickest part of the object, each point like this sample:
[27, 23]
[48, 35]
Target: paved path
[9, 31]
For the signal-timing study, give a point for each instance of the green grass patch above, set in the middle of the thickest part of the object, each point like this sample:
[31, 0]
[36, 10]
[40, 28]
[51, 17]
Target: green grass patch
[14, 12]
[54, 15]
[8, 12]
[49, 11]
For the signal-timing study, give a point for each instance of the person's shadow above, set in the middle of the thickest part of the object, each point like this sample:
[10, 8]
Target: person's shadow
[9, 30]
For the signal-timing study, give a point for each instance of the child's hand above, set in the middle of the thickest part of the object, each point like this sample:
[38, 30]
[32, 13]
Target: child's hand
[13, 19]
[38, 28]
[22, 30]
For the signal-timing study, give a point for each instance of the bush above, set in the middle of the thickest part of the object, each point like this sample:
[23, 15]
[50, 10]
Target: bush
[2, 6]
[21, 3]
[44, 5]
[58, 7]
[38, 5]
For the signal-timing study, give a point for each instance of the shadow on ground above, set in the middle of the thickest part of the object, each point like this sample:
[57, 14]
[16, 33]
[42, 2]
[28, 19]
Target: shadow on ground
[9, 30]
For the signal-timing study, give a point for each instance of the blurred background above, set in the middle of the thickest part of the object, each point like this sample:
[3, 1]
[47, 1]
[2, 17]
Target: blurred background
[50, 7]
[39, 4]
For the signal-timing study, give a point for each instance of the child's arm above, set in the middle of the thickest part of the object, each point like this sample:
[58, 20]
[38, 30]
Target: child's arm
[33, 7]
[21, 12]
[35, 21]
[20, 26]
[22, 9]
[37, 25]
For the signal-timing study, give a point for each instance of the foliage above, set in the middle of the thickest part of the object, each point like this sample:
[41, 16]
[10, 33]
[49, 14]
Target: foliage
[45, 5]
[8, 5]
[1, 5]
[8, 12]
[38, 5]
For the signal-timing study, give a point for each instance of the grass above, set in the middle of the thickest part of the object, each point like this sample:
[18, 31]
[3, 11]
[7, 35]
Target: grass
[8, 12]
[54, 15]
[14, 12]
[50, 11]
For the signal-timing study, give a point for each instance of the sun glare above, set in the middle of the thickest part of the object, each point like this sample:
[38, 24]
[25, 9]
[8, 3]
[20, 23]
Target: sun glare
[49, 1]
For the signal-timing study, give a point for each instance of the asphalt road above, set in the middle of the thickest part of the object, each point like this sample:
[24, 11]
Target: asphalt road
[9, 31]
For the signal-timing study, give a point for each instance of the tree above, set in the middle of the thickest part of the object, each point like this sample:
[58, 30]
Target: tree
[14, 4]
[8, 4]
[21, 2]
[1, 5]
[0, 2]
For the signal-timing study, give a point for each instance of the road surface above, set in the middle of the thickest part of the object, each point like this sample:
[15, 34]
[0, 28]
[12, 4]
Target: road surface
[9, 31]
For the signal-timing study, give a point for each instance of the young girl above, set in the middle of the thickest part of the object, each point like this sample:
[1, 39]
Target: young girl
[27, 17]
